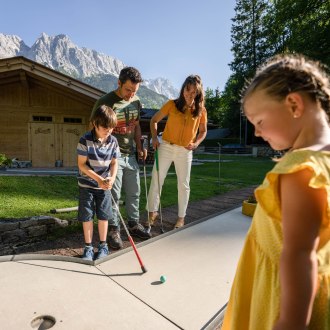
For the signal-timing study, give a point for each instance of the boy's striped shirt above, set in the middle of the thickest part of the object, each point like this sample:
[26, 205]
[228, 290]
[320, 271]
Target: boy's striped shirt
[99, 156]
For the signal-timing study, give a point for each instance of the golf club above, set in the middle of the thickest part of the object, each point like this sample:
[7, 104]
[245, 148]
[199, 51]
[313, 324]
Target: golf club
[144, 270]
[144, 144]
[146, 190]
[159, 192]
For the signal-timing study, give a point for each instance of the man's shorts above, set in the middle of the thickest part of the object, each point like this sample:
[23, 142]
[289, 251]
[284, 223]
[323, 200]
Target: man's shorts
[94, 201]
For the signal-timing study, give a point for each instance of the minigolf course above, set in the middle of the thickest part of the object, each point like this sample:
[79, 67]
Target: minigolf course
[197, 261]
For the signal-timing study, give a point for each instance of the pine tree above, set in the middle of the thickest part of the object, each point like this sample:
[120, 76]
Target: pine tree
[250, 48]
[249, 36]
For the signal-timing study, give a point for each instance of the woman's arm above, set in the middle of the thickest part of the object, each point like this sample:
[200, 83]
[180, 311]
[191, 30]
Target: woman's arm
[202, 130]
[158, 116]
[302, 211]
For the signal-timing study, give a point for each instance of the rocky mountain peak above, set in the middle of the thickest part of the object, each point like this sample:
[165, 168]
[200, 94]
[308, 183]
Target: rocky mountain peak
[61, 54]
[11, 45]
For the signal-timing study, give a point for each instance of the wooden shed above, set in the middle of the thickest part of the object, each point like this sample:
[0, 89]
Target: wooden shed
[42, 113]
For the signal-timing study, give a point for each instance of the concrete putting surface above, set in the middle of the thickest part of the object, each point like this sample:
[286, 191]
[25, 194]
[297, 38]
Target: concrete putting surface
[199, 262]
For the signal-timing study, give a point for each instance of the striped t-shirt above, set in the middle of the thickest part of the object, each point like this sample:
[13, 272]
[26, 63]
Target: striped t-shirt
[99, 156]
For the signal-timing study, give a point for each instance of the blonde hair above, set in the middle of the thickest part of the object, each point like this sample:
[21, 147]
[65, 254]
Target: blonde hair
[284, 74]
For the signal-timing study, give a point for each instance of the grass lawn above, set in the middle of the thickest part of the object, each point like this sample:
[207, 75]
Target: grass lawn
[22, 196]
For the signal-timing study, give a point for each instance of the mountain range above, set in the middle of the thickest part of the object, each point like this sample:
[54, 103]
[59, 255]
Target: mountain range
[94, 68]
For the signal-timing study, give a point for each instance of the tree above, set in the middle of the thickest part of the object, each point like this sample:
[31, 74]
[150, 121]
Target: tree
[250, 48]
[249, 36]
[262, 29]
[305, 26]
[213, 105]
[231, 106]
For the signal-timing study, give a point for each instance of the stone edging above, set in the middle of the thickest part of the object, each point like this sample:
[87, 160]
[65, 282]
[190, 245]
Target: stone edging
[18, 233]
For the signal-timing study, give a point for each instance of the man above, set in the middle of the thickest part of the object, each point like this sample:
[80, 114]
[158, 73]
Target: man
[127, 106]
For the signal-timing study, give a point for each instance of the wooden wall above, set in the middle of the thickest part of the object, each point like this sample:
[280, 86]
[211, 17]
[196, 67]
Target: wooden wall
[22, 103]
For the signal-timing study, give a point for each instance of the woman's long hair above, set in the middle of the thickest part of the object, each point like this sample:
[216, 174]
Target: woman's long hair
[180, 102]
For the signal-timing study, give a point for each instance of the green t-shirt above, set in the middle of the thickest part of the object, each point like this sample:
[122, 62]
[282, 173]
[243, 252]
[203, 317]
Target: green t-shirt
[128, 116]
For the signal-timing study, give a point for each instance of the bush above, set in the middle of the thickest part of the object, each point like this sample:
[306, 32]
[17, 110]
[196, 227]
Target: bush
[4, 161]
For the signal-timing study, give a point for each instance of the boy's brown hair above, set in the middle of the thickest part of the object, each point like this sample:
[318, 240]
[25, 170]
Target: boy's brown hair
[104, 116]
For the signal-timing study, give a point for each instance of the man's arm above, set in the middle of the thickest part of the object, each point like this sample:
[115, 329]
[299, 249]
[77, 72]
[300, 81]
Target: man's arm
[142, 152]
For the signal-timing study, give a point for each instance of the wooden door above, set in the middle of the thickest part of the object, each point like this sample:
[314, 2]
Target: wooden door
[42, 139]
[71, 134]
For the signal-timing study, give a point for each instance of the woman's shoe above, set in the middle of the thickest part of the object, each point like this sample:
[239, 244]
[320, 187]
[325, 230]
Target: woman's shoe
[153, 217]
[179, 223]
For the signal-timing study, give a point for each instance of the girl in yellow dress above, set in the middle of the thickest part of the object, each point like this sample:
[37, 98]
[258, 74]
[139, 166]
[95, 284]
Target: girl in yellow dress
[283, 276]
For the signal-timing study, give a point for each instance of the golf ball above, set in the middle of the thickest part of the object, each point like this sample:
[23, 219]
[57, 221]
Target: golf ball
[163, 278]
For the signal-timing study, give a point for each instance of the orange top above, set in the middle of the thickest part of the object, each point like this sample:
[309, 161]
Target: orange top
[181, 128]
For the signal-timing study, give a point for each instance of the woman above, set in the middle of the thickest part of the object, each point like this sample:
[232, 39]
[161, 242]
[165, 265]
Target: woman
[186, 116]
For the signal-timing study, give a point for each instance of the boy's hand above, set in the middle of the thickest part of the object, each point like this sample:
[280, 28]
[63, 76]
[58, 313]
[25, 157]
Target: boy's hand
[108, 182]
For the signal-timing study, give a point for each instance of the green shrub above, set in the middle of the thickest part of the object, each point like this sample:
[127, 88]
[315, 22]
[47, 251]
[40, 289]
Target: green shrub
[4, 161]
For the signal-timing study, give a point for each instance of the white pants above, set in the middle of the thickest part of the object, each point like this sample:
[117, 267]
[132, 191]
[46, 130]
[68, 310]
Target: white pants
[182, 158]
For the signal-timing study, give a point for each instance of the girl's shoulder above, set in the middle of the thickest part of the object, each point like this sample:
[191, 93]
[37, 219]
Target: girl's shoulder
[317, 161]
[292, 161]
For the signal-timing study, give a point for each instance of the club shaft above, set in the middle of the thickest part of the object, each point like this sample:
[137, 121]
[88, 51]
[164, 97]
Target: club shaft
[159, 191]
[137, 254]
[144, 270]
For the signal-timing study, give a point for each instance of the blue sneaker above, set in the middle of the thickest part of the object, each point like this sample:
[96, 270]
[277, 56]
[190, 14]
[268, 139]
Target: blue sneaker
[103, 251]
[88, 253]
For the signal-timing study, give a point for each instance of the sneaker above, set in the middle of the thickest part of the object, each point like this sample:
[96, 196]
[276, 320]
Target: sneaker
[115, 241]
[88, 253]
[103, 251]
[139, 231]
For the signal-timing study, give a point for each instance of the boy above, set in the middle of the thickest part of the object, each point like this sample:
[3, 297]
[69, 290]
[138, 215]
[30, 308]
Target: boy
[97, 153]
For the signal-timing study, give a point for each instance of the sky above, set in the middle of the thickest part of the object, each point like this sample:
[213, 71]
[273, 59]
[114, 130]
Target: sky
[161, 38]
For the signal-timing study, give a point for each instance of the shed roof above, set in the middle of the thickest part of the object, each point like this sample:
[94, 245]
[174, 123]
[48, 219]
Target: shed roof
[19, 68]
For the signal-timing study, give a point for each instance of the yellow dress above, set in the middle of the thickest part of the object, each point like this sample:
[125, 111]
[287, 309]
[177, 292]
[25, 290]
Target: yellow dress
[255, 295]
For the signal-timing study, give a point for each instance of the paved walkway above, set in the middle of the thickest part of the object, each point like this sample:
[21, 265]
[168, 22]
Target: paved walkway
[199, 261]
